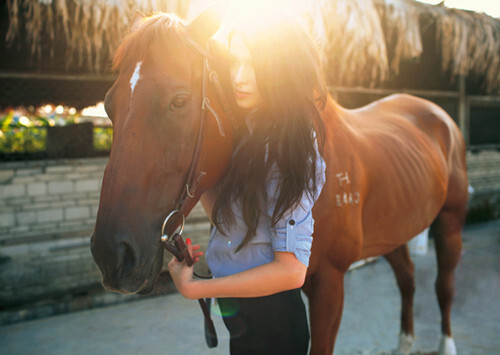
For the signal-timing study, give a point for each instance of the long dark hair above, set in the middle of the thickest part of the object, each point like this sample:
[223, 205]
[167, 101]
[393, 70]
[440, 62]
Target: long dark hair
[289, 78]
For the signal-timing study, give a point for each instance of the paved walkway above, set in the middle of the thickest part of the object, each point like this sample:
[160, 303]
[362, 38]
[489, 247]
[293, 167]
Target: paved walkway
[172, 325]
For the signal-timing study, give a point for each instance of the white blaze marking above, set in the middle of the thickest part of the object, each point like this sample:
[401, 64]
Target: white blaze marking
[136, 76]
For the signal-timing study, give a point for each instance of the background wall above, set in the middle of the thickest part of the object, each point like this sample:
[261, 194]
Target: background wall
[47, 213]
[41, 197]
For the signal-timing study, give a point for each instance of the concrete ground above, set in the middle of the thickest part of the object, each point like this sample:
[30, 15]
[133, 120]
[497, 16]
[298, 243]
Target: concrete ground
[370, 325]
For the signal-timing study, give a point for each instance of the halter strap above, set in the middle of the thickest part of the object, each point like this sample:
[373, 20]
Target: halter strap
[174, 242]
[192, 180]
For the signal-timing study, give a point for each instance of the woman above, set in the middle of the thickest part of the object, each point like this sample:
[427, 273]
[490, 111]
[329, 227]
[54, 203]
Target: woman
[260, 246]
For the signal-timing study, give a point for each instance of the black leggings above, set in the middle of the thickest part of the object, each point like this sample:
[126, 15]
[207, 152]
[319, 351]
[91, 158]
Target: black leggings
[273, 325]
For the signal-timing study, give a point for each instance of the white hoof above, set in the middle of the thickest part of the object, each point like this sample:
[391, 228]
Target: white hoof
[405, 344]
[447, 346]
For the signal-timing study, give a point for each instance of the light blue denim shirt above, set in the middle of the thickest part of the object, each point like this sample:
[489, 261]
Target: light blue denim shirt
[292, 233]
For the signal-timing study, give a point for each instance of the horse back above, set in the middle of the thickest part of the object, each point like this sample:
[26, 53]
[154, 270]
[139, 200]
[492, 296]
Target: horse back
[389, 165]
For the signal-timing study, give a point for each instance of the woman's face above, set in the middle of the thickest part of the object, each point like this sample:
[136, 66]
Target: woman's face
[243, 75]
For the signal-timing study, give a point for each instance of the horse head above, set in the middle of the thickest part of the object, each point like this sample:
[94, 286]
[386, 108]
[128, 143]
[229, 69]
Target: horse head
[165, 86]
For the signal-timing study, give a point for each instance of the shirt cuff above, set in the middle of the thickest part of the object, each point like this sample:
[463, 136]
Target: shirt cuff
[295, 237]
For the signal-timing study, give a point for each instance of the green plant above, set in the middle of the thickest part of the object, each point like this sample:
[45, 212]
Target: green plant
[19, 134]
[25, 130]
[103, 136]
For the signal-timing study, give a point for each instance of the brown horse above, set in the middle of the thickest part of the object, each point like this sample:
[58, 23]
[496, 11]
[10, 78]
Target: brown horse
[394, 168]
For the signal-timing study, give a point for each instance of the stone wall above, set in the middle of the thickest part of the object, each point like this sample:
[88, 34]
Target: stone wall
[484, 177]
[42, 197]
[47, 213]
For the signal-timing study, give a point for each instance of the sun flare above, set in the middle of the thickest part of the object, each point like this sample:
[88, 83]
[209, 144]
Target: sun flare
[259, 9]
[256, 15]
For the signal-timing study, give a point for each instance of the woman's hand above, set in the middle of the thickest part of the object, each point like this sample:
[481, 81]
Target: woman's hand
[180, 272]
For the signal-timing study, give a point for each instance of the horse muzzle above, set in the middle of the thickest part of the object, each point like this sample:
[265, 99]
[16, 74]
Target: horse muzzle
[124, 267]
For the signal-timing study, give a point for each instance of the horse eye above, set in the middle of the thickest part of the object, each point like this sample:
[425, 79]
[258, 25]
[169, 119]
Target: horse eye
[179, 102]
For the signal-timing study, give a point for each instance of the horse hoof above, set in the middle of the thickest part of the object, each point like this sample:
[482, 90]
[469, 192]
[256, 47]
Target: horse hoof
[447, 346]
[404, 345]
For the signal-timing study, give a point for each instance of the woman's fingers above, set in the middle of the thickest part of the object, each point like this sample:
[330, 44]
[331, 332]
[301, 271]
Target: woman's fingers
[194, 250]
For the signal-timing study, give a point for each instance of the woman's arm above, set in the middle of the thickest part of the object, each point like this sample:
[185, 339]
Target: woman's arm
[285, 272]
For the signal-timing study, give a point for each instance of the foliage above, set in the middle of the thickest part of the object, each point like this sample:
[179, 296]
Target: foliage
[103, 137]
[20, 134]
[25, 130]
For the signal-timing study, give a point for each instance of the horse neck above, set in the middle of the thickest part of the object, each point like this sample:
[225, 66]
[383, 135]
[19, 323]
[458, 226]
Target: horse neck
[333, 114]
[338, 124]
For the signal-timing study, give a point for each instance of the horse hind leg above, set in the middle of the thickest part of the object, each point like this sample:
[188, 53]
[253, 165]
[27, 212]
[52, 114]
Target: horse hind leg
[447, 232]
[404, 270]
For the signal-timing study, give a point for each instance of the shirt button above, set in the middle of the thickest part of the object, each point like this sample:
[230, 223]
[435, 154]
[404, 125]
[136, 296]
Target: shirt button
[291, 222]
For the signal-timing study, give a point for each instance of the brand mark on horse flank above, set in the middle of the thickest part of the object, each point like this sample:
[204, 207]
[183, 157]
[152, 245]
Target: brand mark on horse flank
[343, 177]
[136, 76]
[346, 198]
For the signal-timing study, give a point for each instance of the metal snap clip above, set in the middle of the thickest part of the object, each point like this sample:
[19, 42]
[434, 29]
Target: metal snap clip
[166, 238]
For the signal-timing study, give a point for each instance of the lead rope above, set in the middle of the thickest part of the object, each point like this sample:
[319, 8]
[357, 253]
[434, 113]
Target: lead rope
[175, 245]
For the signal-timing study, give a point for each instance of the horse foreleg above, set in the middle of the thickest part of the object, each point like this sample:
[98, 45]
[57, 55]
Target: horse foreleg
[325, 291]
[403, 268]
[447, 232]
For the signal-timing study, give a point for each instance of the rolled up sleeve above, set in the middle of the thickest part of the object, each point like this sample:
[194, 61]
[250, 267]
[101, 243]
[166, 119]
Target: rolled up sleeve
[293, 232]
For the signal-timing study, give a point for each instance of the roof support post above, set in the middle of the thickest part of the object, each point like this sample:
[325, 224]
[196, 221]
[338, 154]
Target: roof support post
[463, 108]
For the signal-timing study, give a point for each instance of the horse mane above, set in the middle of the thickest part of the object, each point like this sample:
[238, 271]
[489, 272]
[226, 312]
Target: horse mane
[167, 28]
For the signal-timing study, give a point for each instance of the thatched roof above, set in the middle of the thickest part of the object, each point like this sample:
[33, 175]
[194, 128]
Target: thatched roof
[364, 40]
[88, 28]
[371, 38]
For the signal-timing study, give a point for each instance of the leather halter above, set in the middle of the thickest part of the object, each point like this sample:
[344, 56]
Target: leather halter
[192, 180]
[173, 242]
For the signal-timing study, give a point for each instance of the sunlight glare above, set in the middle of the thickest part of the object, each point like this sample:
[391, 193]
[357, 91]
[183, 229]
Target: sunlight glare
[25, 121]
[257, 14]
[47, 109]
[95, 111]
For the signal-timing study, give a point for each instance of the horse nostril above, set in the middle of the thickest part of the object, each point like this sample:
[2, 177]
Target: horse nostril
[127, 257]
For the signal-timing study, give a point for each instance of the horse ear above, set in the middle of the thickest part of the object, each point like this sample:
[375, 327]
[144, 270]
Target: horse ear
[202, 28]
[137, 20]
